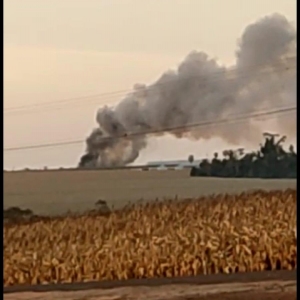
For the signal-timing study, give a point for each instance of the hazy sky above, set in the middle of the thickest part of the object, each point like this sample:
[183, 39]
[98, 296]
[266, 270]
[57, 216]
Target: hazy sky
[61, 49]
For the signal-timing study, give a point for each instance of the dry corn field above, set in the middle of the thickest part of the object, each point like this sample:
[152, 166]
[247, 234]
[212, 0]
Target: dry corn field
[218, 234]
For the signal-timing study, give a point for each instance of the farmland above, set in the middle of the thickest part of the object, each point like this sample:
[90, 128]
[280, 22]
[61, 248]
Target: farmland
[207, 235]
[56, 192]
[195, 234]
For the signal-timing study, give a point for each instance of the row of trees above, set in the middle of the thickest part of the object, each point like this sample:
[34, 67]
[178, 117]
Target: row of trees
[270, 161]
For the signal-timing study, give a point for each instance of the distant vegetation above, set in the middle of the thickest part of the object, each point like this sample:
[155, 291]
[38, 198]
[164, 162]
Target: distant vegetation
[270, 161]
[16, 215]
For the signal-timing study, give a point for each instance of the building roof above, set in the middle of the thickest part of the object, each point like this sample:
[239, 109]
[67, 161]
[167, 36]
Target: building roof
[174, 163]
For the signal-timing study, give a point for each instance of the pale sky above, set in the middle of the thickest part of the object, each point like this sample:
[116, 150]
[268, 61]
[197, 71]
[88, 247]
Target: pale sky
[61, 49]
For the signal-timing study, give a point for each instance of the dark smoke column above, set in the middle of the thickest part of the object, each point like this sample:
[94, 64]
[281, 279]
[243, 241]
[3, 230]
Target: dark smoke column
[200, 90]
[111, 147]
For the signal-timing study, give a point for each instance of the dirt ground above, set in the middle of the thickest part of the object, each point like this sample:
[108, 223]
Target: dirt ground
[281, 290]
[279, 285]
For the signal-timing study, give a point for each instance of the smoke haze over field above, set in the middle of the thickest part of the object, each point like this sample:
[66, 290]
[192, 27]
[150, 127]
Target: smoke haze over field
[200, 90]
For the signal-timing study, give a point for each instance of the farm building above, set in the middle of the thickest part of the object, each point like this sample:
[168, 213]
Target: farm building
[176, 164]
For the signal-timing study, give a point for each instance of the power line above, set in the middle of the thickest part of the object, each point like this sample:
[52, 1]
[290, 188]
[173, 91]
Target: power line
[121, 93]
[69, 100]
[153, 91]
[165, 130]
[126, 92]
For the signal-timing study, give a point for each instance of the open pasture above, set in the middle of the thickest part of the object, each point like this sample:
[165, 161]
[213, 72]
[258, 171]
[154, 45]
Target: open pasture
[56, 192]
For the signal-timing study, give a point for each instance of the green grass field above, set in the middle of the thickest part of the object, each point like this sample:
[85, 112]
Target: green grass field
[56, 192]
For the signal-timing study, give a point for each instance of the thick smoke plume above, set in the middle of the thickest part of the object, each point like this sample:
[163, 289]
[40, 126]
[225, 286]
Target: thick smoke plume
[200, 90]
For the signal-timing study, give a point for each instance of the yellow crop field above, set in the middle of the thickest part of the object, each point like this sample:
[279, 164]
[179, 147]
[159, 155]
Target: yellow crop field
[206, 235]
[56, 192]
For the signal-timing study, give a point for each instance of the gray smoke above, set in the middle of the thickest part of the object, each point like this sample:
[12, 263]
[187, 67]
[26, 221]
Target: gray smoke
[200, 90]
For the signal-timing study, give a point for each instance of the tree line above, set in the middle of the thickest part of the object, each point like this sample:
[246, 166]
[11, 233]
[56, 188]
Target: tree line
[270, 161]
